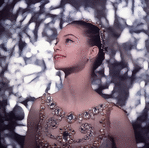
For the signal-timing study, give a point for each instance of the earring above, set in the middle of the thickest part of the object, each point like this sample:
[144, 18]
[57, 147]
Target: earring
[89, 58]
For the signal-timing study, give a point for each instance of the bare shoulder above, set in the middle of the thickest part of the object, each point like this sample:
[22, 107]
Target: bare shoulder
[32, 124]
[33, 116]
[121, 129]
[36, 104]
[118, 114]
[118, 119]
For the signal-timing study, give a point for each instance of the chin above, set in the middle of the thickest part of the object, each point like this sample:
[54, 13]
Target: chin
[57, 68]
[60, 67]
[64, 69]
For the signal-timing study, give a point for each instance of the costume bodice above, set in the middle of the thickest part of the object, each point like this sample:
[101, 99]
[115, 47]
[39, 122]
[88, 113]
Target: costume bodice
[58, 129]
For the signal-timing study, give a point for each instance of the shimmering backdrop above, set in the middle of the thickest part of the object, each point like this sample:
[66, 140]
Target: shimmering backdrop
[27, 32]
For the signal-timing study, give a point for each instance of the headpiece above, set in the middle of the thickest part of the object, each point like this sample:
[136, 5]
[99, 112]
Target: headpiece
[101, 34]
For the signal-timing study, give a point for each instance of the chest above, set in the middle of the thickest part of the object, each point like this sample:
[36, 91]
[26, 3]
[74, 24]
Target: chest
[70, 130]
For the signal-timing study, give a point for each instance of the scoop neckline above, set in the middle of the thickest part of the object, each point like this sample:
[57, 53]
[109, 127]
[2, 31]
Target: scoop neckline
[80, 112]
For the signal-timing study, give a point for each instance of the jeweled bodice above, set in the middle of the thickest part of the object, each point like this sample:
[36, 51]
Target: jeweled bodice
[58, 129]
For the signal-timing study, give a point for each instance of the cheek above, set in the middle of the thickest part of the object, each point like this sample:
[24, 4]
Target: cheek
[77, 52]
[83, 55]
[84, 52]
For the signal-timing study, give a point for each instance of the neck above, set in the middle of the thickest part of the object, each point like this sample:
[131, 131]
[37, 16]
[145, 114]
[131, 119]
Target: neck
[76, 87]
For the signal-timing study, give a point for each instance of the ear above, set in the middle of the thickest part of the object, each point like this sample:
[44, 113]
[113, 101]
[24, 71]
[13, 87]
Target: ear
[93, 52]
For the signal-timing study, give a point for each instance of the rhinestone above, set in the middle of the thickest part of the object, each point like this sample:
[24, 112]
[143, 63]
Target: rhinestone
[84, 128]
[65, 136]
[104, 125]
[46, 145]
[101, 105]
[41, 112]
[52, 123]
[48, 104]
[57, 111]
[51, 136]
[62, 114]
[71, 117]
[79, 140]
[100, 109]
[87, 137]
[49, 99]
[52, 105]
[101, 130]
[102, 113]
[42, 107]
[60, 118]
[80, 120]
[86, 115]
[95, 110]
[73, 131]
[103, 118]
[61, 129]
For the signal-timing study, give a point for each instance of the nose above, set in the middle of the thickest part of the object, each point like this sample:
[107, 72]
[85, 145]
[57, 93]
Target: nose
[57, 47]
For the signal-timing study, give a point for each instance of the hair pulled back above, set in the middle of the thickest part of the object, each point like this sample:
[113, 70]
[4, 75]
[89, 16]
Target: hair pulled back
[92, 33]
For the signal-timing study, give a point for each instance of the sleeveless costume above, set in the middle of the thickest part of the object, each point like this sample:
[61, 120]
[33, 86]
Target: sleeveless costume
[58, 129]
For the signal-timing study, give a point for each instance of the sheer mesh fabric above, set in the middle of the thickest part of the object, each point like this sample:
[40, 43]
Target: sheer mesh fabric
[85, 130]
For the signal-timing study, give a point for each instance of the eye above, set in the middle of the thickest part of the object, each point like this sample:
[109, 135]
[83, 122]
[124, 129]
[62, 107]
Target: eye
[55, 42]
[69, 40]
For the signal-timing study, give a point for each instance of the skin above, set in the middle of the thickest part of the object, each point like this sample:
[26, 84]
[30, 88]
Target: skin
[77, 92]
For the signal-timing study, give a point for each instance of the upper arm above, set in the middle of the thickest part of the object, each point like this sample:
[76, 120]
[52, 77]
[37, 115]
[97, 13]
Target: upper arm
[121, 129]
[32, 125]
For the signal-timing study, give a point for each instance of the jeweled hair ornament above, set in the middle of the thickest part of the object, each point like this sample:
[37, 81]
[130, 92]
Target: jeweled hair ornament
[101, 34]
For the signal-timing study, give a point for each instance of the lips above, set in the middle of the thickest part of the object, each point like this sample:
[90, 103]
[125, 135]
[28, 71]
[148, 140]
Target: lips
[58, 56]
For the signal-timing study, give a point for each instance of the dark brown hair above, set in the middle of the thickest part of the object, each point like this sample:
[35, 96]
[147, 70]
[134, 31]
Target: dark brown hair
[92, 33]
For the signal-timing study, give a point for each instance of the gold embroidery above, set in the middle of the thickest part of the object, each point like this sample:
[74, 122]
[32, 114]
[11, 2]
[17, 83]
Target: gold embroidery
[66, 134]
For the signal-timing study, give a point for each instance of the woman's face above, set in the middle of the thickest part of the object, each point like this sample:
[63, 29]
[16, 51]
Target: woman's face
[71, 49]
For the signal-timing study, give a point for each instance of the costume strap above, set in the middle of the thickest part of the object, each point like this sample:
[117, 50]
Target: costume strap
[119, 107]
[42, 107]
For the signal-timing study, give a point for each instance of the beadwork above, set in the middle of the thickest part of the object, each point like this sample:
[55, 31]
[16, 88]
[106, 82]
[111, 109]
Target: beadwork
[101, 34]
[71, 117]
[66, 137]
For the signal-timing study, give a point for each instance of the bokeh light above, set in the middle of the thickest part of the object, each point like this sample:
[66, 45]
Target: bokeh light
[28, 31]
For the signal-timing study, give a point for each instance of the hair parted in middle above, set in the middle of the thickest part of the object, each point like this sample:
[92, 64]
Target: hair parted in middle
[96, 37]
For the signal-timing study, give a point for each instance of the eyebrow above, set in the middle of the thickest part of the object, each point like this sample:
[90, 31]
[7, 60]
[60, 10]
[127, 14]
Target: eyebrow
[71, 35]
[68, 35]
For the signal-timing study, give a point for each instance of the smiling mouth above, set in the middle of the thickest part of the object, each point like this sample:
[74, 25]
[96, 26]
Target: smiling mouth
[57, 57]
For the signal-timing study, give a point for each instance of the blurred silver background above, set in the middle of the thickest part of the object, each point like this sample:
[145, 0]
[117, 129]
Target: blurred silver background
[28, 29]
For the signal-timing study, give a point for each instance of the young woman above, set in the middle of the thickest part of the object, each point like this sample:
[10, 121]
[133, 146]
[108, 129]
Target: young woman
[76, 116]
